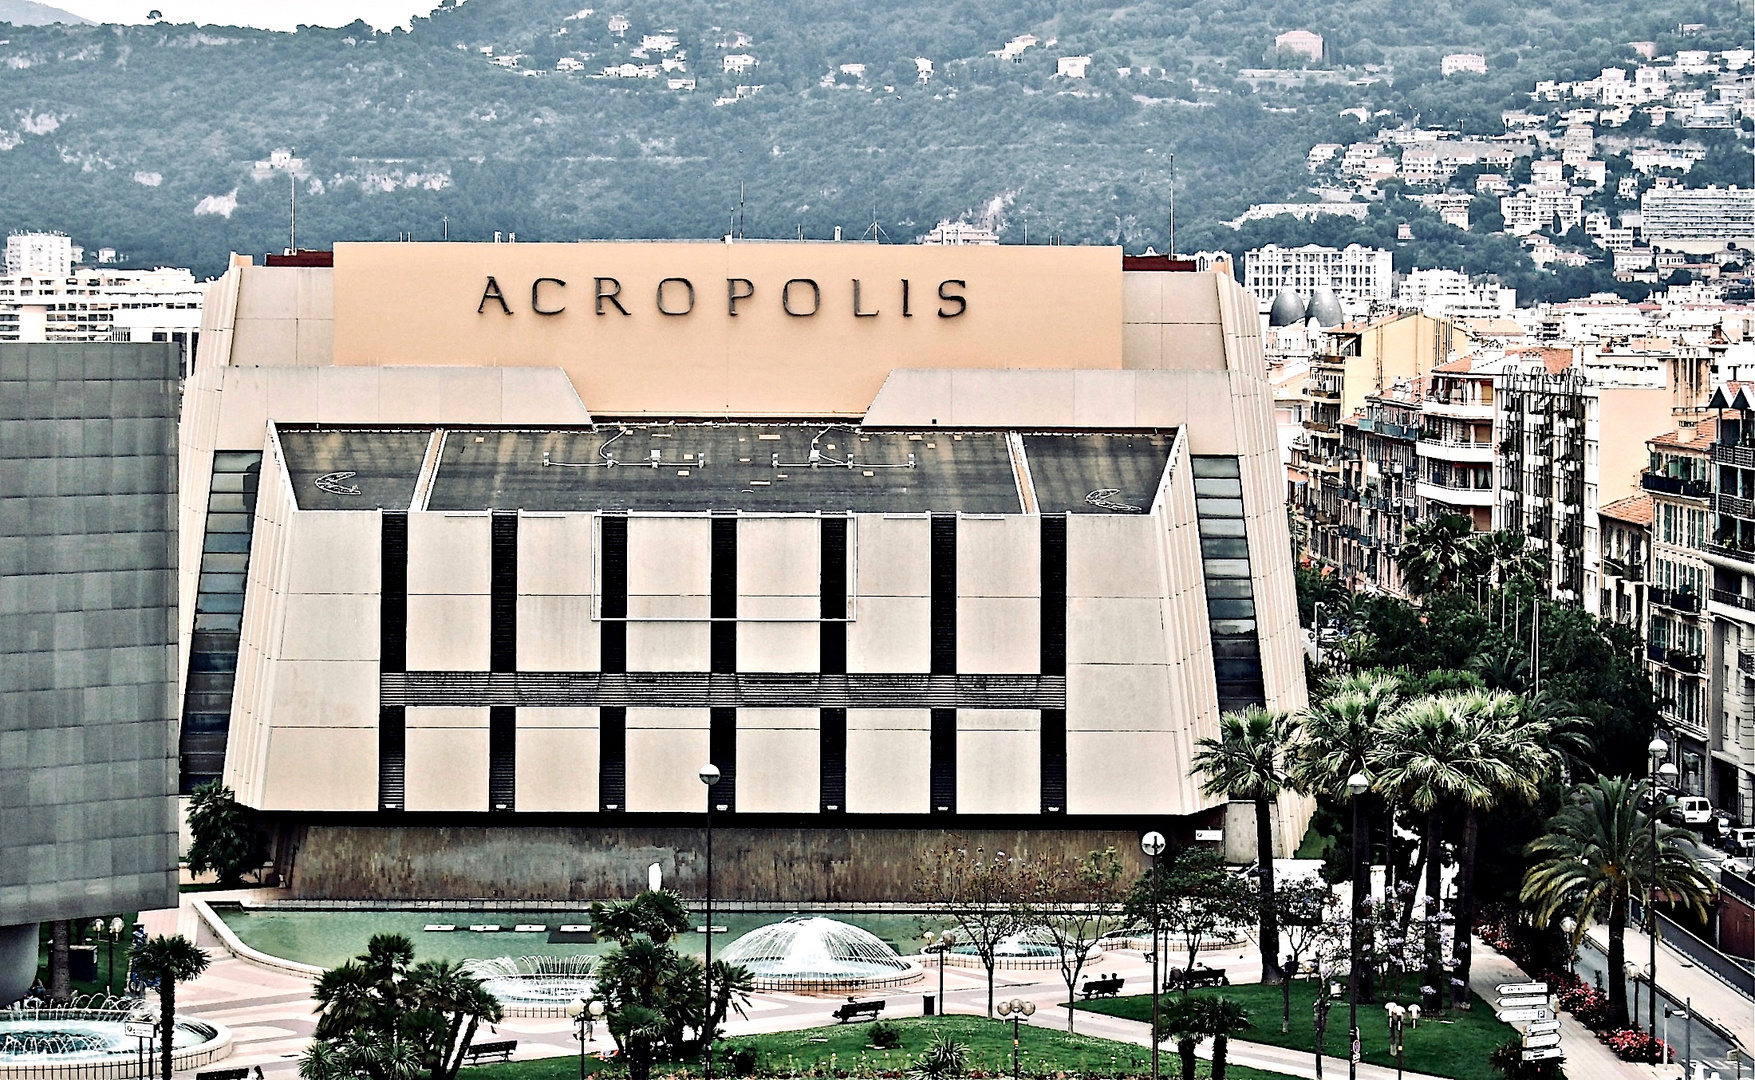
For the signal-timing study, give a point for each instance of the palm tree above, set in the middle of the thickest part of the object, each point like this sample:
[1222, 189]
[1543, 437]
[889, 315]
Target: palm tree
[1247, 761]
[1218, 1018]
[1332, 746]
[459, 1002]
[1437, 555]
[1596, 854]
[1177, 1021]
[169, 960]
[1430, 752]
[1511, 760]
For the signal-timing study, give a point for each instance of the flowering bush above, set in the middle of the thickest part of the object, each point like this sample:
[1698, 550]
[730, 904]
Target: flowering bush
[1632, 1044]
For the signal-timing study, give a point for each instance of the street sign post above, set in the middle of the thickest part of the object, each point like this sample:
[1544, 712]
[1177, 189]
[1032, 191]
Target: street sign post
[1516, 989]
[1520, 1001]
[1546, 1053]
[1542, 1027]
[1518, 1016]
[136, 1029]
[1536, 1042]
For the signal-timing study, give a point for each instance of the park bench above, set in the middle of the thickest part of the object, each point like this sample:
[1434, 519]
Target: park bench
[1199, 975]
[1107, 987]
[223, 1074]
[475, 1052]
[855, 1009]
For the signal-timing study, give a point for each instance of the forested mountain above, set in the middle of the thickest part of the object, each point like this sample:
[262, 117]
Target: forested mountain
[495, 115]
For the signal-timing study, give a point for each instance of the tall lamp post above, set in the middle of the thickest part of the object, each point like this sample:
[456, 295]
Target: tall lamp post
[1663, 772]
[1569, 927]
[709, 776]
[1357, 786]
[585, 1017]
[1153, 845]
[1018, 1009]
[940, 944]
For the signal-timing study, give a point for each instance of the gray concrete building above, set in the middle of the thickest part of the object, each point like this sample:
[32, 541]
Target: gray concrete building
[905, 540]
[88, 632]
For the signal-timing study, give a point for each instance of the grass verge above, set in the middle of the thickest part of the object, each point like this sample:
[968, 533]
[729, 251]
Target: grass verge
[845, 1050]
[1456, 1045]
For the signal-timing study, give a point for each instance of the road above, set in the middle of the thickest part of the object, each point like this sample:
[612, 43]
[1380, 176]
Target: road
[1708, 1047]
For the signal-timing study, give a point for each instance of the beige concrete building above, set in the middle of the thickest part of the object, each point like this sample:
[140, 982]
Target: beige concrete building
[488, 548]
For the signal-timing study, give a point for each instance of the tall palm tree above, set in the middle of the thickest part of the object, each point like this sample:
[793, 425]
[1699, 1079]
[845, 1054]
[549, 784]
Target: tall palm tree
[1332, 745]
[1218, 1018]
[457, 1003]
[1596, 854]
[169, 960]
[1247, 761]
[1430, 752]
[1437, 555]
[1512, 758]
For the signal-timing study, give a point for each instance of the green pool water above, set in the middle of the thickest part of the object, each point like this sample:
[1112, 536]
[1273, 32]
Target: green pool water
[329, 938]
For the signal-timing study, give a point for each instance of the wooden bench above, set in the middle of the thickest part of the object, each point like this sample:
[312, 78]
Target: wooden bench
[223, 1074]
[1109, 987]
[855, 1009]
[502, 1050]
[1200, 975]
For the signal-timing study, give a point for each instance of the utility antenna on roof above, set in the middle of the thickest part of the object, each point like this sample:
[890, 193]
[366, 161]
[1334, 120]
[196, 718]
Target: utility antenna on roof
[740, 208]
[875, 232]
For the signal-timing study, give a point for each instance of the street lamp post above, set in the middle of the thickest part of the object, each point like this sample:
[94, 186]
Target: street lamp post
[709, 776]
[1397, 1015]
[1569, 927]
[1153, 845]
[1357, 786]
[585, 1016]
[1662, 771]
[1018, 1009]
[940, 944]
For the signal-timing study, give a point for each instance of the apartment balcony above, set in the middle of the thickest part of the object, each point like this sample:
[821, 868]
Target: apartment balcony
[1459, 410]
[1732, 505]
[1675, 485]
[1676, 600]
[1738, 554]
[1471, 453]
[1729, 454]
[1681, 660]
[1324, 393]
[1746, 662]
[1621, 568]
[1734, 604]
[1454, 496]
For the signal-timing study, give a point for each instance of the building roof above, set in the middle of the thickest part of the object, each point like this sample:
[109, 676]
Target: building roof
[1634, 510]
[1555, 360]
[1703, 432]
[705, 467]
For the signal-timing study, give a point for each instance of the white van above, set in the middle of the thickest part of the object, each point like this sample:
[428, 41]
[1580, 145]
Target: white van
[1690, 810]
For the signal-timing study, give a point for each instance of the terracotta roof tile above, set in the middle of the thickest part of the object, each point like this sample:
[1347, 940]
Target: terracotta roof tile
[1704, 432]
[1634, 510]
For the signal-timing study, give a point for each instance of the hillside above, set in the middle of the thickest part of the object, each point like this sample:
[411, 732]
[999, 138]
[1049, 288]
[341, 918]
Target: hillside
[496, 115]
[29, 13]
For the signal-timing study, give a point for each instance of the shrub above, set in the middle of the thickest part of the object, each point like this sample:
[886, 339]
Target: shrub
[885, 1035]
[1632, 1044]
[1508, 1060]
[943, 1058]
[742, 1061]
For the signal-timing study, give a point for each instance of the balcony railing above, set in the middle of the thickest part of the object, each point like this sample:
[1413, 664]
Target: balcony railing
[1732, 598]
[1729, 454]
[1655, 652]
[1676, 599]
[1688, 663]
[1675, 485]
[1738, 553]
[1745, 662]
[1732, 505]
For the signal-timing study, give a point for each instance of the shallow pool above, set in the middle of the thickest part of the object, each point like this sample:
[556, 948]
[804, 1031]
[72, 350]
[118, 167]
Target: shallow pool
[330, 938]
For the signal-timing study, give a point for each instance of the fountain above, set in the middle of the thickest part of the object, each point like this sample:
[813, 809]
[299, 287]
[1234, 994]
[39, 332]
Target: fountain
[815, 953]
[535, 985]
[89, 1040]
[1032, 948]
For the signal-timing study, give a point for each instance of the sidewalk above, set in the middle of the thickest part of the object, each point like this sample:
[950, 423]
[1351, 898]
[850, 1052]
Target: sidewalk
[1586, 1058]
[1681, 979]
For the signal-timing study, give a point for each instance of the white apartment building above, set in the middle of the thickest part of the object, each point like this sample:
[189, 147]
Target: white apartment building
[1698, 218]
[1538, 206]
[103, 305]
[1457, 63]
[1355, 273]
[41, 254]
[1448, 294]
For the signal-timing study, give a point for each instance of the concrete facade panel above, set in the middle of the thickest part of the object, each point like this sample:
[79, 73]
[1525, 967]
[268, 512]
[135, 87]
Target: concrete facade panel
[317, 537]
[557, 633]
[999, 556]
[1115, 630]
[556, 760]
[792, 646]
[448, 553]
[669, 646]
[330, 626]
[324, 693]
[779, 556]
[999, 761]
[999, 635]
[891, 633]
[669, 557]
[446, 759]
[893, 556]
[321, 768]
[665, 751]
[778, 761]
[447, 633]
[889, 761]
[556, 554]
[1111, 556]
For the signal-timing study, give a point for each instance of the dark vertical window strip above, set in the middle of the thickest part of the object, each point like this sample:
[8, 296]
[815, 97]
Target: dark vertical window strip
[612, 630]
[393, 614]
[722, 601]
[722, 749]
[833, 756]
[1054, 594]
[944, 594]
[612, 758]
[1054, 761]
[502, 758]
[944, 761]
[503, 590]
[392, 757]
[1237, 671]
[832, 658]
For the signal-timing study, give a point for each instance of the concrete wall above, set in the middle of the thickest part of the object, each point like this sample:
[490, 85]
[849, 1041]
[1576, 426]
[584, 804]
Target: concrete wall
[412, 862]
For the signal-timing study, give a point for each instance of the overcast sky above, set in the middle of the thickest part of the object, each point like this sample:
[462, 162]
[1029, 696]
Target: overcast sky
[267, 14]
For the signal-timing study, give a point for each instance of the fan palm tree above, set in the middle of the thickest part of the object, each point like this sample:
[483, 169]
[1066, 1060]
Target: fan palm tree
[1218, 1018]
[1247, 762]
[1430, 752]
[1512, 757]
[1176, 1020]
[452, 1004]
[1437, 555]
[1597, 852]
[169, 961]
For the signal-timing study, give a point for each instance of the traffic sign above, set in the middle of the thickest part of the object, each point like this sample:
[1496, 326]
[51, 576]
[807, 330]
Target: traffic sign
[1513, 989]
[1518, 1016]
[1532, 1042]
[1542, 1027]
[1546, 1053]
[1521, 1001]
[135, 1029]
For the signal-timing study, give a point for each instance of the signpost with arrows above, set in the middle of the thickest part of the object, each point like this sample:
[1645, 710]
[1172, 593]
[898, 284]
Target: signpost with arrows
[1527, 1003]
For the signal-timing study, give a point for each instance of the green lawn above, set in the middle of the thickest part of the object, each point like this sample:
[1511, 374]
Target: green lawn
[1456, 1045]
[846, 1050]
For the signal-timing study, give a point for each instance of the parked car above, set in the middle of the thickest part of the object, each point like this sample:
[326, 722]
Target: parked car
[1740, 842]
[1690, 811]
